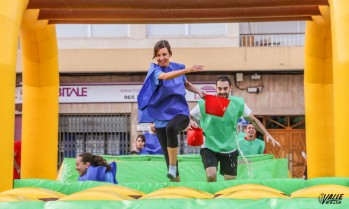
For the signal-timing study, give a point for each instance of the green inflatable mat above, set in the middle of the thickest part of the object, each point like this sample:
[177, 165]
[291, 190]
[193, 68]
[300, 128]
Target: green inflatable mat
[285, 185]
[299, 203]
[152, 168]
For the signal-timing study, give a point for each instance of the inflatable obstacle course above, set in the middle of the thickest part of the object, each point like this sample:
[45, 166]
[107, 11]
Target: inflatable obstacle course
[143, 184]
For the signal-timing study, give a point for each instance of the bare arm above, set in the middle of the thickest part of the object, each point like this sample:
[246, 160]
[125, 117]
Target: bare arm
[194, 115]
[194, 89]
[175, 74]
[259, 126]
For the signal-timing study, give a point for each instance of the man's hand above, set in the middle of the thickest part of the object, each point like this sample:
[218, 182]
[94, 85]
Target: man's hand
[192, 124]
[269, 137]
[202, 93]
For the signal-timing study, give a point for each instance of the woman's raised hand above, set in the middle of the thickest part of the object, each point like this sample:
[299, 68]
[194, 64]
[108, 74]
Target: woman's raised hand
[195, 68]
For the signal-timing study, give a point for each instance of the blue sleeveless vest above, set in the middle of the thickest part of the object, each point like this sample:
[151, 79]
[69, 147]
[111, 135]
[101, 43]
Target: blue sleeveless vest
[100, 173]
[164, 101]
[145, 94]
[168, 99]
[152, 145]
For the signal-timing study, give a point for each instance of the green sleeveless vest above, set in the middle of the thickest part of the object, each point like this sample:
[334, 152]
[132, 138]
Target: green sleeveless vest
[220, 132]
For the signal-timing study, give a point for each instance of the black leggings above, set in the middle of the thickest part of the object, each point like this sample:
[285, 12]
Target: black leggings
[168, 135]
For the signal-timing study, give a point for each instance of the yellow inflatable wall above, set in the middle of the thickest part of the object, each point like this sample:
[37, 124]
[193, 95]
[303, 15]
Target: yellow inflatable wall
[340, 31]
[10, 20]
[40, 98]
[318, 91]
[326, 81]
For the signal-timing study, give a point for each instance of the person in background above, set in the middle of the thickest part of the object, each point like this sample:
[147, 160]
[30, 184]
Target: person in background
[249, 144]
[17, 159]
[305, 174]
[138, 145]
[152, 144]
[95, 168]
[162, 98]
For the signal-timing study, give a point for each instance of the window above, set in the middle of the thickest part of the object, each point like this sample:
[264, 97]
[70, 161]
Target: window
[208, 29]
[155, 30]
[72, 31]
[106, 134]
[109, 30]
[214, 29]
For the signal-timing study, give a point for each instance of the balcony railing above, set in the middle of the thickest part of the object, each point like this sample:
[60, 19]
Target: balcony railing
[272, 40]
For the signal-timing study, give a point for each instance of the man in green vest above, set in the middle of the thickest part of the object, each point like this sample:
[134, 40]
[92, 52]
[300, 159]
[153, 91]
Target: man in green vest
[220, 144]
[249, 144]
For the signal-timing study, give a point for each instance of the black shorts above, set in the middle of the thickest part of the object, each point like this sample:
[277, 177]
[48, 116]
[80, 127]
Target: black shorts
[228, 161]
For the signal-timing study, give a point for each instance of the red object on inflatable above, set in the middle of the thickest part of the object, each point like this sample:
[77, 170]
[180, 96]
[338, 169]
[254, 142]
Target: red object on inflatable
[215, 105]
[195, 137]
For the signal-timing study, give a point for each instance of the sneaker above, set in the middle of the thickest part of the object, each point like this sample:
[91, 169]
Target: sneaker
[170, 176]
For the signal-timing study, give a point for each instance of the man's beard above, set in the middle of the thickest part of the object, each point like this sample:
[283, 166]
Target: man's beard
[225, 95]
[250, 136]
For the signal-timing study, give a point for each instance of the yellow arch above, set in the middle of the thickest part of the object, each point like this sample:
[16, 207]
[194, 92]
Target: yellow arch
[318, 91]
[340, 31]
[40, 98]
[10, 20]
[325, 78]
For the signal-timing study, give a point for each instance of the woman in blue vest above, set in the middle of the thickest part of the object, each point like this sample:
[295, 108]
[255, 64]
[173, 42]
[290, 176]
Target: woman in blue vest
[95, 168]
[162, 101]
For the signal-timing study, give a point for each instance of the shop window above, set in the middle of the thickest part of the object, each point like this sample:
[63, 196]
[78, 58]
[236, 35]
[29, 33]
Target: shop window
[107, 134]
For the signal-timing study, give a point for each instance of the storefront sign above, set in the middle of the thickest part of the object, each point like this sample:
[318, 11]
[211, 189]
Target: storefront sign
[108, 93]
